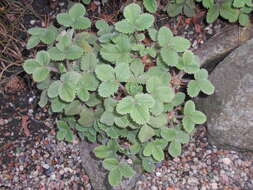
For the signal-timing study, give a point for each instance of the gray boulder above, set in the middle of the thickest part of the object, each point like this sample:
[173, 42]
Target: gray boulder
[230, 108]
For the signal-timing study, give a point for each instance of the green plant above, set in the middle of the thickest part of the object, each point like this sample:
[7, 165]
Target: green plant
[106, 90]
[231, 10]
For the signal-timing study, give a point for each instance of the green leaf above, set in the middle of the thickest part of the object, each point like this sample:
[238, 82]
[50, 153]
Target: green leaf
[86, 2]
[57, 105]
[198, 117]
[87, 118]
[73, 108]
[73, 52]
[140, 114]
[145, 100]
[188, 124]
[175, 149]
[32, 42]
[83, 94]
[145, 133]
[212, 14]
[193, 88]
[115, 177]
[40, 74]
[189, 107]
[53, 89]
[124, 27]
[77, 10]
[67, 92]
[122, 72]
[206, 86]
[102, 151]
[144, 21]
[89, 62]
[169, 56]
[64, 19]
[125, 105]
[56, 54]
[238, 3]
[174, 9]
[108, 88]
[81, 23]
[110, 163]
[148, 165]
[30, 65]
[107, 118]
[131, 12]
[126, 170]
[180, 44]
[121, 121]
[105, 72]
[164, 36]
[43, 99]
[244, 20]
[159, 121]
[150, 5]
[168, 134]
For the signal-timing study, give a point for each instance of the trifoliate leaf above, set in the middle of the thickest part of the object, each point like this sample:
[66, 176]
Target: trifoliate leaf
[56, 54]
[145, 133]
[193, 88]
[81, 23]
[73, 52]
[206, 86]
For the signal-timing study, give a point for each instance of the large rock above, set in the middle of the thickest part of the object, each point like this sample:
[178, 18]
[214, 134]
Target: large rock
[221, 44]
[230, 108]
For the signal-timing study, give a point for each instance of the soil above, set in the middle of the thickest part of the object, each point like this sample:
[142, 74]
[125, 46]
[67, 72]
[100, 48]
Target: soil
[21, 119]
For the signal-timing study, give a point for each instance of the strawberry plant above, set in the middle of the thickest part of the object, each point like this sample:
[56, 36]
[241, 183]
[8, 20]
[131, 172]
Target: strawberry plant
[113, 88]
[231, 10]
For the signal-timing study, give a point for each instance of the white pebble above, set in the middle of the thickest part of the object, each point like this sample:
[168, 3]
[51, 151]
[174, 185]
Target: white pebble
[46, 166]
[158, 174]
[226, 161]
[32, 22]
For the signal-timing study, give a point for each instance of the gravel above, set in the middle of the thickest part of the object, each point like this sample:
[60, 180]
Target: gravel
[202, 167]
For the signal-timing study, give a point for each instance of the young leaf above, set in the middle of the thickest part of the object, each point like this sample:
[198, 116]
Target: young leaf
[175, 149]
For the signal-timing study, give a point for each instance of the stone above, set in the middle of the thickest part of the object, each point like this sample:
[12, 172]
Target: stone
[98, 175]
[221, 44]
[230, 109]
